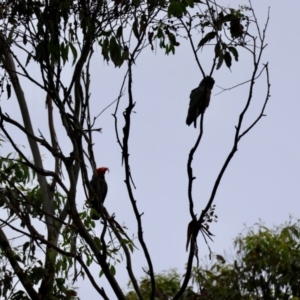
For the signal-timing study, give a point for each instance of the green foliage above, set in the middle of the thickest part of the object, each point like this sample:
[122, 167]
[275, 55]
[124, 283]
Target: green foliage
[20, 187]
[112, 35]
[167, 284]
[14, 177]
[265, 266]
[15, 171]
[217, 24]
[177, 8]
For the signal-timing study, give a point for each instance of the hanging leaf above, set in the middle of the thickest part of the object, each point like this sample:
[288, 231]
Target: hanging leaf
[8, 90]
[112, 270]
[29, 56]
[64, 50]
[135, 29]
[125, 54]
[218, 50]
[119, 31]
[220, 61]
[172, 39]
[105, 48]
[74, 52]
[115, 52]
[160, 33]
[228, 59]
[219, 21]
[208, 37]
[234, 53]
[150, 37]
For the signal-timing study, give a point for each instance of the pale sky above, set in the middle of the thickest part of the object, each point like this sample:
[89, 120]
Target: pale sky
[262, 181]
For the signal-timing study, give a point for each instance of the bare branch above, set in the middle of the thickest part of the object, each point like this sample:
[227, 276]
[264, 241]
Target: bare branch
[8, 62]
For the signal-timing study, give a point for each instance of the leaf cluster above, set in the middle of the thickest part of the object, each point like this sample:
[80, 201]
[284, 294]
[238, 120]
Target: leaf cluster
[265, 266]
[227, 21]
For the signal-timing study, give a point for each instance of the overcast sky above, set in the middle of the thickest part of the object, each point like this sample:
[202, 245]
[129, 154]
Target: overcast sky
[262, 181]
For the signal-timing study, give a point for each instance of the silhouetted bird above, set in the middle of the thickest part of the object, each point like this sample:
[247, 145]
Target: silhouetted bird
[99, 187]
[200, 98]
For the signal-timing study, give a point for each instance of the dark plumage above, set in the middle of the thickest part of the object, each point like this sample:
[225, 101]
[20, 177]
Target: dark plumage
[199, 100]
[99, 187]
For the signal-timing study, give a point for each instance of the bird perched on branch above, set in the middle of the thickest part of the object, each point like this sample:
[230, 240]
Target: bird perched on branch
[200, 98]
[99, 187]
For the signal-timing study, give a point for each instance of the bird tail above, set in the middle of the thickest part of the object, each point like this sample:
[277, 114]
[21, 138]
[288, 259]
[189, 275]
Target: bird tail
[188, 121]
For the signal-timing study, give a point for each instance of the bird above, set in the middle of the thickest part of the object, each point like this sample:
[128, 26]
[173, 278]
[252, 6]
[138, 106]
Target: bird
[99, 189]
[199, 100]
